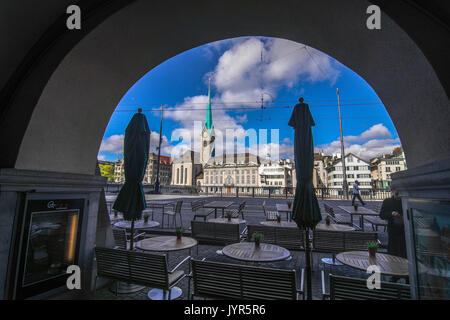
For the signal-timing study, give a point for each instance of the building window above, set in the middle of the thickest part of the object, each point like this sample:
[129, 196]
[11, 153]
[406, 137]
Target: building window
[185, 175]
[181, 178]
[178, 175]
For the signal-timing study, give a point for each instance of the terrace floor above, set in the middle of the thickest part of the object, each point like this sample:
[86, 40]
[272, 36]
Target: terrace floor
[253, 215]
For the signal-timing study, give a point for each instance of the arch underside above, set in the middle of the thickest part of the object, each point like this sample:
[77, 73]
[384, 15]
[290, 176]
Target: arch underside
[69, 120]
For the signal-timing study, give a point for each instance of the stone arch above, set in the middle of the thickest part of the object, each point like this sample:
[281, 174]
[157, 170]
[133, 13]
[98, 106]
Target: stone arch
[66, 127]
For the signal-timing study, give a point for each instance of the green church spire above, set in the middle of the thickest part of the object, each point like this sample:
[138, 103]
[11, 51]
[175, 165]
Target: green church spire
[208, 121]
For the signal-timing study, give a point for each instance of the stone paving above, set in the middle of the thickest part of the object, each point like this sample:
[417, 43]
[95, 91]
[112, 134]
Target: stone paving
[253, 214]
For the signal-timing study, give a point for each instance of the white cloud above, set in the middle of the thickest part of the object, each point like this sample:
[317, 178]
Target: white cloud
[114, 144]
[101, 157]
[240, 77]
[371, 143]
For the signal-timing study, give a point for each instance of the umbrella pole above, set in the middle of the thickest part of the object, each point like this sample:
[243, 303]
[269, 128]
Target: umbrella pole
[132, 235]
[308, 266]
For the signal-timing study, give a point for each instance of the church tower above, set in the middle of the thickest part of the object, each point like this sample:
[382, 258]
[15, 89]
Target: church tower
[208, 136]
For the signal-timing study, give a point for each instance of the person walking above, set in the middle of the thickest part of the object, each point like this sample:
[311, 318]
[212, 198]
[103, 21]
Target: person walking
[392, 212]
[356, 193]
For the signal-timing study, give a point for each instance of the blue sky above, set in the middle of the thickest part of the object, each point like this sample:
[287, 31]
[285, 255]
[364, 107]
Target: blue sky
[238, 76]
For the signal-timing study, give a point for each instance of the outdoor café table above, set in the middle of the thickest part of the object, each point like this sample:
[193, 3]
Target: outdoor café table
[389, 265]
[360, 212]
[138, 225]
[334, 227]
[283, 224]
[113, 218]
[166, 244]
[159, 204]
[218, 205]
[109, 204]
[246, 251]
[225, 220]
[283, 208]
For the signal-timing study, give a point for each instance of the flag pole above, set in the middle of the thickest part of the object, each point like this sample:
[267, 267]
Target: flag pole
[344, 172]
[159, 152]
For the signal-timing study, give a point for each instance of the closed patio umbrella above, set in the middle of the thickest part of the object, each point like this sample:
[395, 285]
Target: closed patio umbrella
[306, 211]
[131, 198]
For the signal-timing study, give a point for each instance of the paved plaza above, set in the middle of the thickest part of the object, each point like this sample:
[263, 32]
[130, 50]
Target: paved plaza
[253, 215]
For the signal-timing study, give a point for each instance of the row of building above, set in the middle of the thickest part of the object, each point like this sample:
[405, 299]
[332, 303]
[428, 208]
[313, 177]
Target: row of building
[245, 170]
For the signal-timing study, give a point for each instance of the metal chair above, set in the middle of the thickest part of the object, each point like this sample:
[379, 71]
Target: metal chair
[121, 238]
[346, 288]
[173, 213]
[199, 211]
[270, 215]
[142, 268]
[239, 211]
[218, 280]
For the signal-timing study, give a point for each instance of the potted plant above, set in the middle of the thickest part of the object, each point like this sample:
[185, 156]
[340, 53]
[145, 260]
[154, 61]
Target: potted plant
[355, 206]
[289, 204]
[179, 232]
[229, 215]
[257, 238]
[146, 217]
[372, 247]
[327, 220]
[278, 218]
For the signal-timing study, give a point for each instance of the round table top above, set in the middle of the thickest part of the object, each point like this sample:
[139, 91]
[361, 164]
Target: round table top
[225, 220]
[114, 218]
[166, 243]
[137, 224]
[334, 227]
[388, 264]
[284, 207]
[283, 224]
[246, 251]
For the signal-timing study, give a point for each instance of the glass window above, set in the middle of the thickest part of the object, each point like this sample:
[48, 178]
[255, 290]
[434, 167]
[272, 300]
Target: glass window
[431, 228]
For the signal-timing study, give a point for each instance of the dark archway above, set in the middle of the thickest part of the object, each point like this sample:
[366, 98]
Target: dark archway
[93, 76]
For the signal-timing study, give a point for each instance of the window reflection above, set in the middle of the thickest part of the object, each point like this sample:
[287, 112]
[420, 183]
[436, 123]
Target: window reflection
[432, 245]
[51, 244]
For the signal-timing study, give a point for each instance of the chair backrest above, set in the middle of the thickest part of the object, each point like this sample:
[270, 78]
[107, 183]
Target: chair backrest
[328, 241]
[135, 267]
[346, 288]
[339, 241]
[357, 240]
[195, 205]
[289, 238]
[222, 233]
[241, 206]
[329, 209]
[231, 281]
[112, 263]
[120, 237]
[149, 269]
[178, 206]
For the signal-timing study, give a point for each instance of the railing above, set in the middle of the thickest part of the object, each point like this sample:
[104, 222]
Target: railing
[255, 192]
